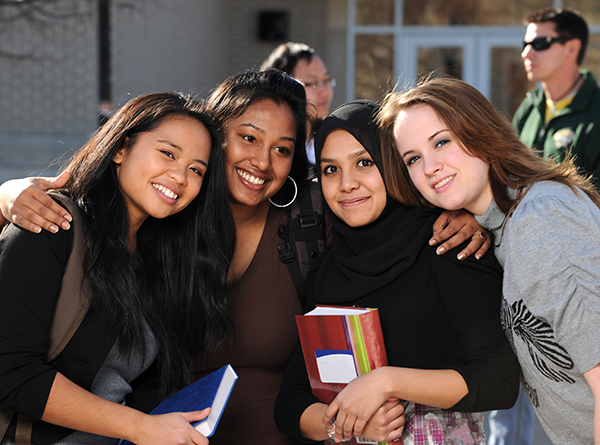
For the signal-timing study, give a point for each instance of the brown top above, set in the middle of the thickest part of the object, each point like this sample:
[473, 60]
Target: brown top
[264, 303]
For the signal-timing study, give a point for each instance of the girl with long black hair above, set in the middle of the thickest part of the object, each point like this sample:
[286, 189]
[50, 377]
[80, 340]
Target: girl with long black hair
[159, 238]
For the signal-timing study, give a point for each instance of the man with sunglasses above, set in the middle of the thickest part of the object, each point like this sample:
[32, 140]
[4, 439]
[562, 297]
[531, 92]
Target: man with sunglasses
[563, 115]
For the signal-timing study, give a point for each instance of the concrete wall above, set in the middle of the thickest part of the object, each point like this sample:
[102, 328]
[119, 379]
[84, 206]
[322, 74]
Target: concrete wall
[335, 51]
[49, 103]
[169, 45]
[307, 20]
[318, 23]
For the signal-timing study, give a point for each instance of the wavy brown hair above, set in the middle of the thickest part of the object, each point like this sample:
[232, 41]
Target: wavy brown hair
[484, 132]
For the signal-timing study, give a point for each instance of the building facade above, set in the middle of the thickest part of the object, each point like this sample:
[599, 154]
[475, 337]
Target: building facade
[58, 72]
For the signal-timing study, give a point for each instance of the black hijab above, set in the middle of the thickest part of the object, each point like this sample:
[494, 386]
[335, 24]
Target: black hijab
[368, 258]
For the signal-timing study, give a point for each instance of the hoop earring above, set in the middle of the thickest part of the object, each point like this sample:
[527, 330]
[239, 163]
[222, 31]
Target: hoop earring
[293, 199]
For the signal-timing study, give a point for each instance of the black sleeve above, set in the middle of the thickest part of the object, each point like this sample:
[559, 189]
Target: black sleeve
[471, 292]
[31, 270]
[294, 397]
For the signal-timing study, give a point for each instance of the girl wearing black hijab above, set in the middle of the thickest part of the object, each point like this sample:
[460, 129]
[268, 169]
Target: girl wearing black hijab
[448, 356]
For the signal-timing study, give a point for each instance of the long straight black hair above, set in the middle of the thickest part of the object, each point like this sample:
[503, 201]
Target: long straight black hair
[177, 278]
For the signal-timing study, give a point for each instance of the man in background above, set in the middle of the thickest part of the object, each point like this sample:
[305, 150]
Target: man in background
[563, 115]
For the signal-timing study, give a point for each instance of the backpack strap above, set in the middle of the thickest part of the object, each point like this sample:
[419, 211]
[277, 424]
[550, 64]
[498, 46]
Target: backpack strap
[24, 429]
[71, 307]
[304, 235]
[5, 418]
[73, 301]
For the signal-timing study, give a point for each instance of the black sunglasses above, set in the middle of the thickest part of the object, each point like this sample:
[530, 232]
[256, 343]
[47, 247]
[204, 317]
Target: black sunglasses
[543, 43]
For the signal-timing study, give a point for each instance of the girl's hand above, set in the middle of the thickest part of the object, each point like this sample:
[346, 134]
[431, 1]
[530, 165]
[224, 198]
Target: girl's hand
[457, 226]
[173, 428]
[357, 403]
[24, 203]
[71, 406]
[387, 423]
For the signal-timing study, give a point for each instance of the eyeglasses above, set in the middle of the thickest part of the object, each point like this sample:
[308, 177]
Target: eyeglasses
[543, 43]
[321, 83]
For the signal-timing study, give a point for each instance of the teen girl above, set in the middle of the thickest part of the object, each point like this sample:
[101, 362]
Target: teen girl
[448, 147]
[159, 238]
[440, 316]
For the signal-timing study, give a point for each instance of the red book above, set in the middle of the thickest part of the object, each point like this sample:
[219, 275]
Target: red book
[339, 344]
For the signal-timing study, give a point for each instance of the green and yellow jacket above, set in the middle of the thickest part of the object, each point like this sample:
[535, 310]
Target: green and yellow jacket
[575, 128]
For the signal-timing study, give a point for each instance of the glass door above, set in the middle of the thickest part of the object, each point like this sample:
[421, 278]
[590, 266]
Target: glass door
[425, 51]
[504, 81]
[487, 58]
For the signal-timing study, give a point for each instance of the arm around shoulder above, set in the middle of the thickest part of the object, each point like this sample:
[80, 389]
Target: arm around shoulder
[23, 202]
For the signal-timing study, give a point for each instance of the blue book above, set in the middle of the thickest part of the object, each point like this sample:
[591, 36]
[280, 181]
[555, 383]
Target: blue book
[213, 390]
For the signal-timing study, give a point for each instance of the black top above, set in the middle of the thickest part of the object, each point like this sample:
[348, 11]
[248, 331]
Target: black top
[31, 270]
[436, 312]
[367, 258]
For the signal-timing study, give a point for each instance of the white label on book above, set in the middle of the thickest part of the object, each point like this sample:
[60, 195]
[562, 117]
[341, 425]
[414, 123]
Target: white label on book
[335, 366]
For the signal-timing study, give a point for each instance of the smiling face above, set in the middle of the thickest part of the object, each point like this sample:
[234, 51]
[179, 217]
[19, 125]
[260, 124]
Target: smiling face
[544, 65]
[438, 165]
[259, 148]
[162, 172]
[312, 74]
[351, 182]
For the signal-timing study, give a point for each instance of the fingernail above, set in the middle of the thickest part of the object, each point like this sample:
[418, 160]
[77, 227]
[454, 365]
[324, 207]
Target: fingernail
[65, 225]
[37, 229]
[461, 256]
[432, 242]
[53, 229]
[440, 250]
[478, 256]
[68, 218]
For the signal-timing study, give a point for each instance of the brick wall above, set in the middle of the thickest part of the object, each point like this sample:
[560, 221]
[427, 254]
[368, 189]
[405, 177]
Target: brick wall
[50, 102]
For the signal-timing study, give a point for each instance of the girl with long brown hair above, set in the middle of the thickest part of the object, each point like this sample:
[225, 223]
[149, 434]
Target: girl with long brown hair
[446, 146]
